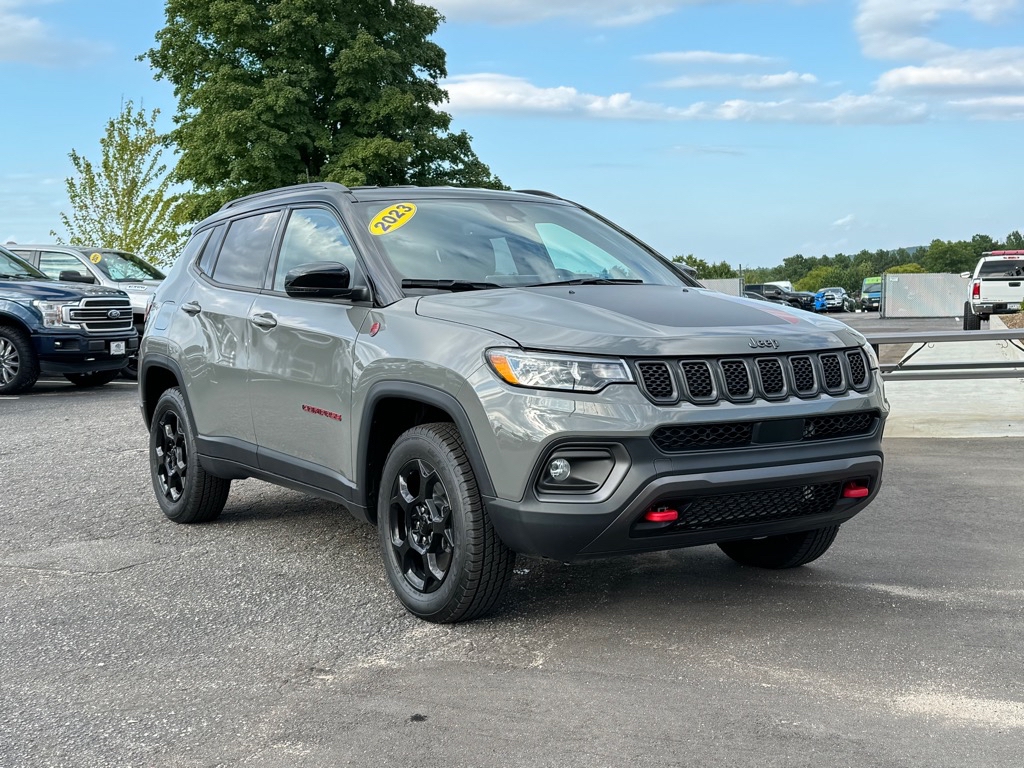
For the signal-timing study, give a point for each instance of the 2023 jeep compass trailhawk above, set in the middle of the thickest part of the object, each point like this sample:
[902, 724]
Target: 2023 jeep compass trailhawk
[483, 373]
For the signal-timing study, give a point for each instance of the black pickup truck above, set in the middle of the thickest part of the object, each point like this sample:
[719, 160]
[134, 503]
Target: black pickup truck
[49, 327]
[797, 299]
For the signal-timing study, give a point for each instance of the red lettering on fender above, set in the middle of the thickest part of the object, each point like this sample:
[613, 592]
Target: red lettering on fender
[321, 412]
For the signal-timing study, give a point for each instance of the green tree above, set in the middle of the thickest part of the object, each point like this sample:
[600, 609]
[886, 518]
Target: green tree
[1015, 241]
[126, 202]
[706, 271]
[948, 256]
[275, 92]
[906, 269]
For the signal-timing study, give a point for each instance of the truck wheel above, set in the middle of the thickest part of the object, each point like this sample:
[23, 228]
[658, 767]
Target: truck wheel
[441, 553]
[19, 367]
[785, 551]
[92, 378]
[131, 371]
[185, 491]
[972, 322]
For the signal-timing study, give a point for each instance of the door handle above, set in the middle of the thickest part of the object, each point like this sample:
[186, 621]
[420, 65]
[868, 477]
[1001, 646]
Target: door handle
[265, 320]
[192, 308]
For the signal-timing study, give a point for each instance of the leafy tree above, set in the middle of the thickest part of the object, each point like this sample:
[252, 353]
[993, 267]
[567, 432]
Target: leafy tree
[906, 269]
[271, 93]
[126, 202]
[706, 271]
[1015, 241]
[949, 256]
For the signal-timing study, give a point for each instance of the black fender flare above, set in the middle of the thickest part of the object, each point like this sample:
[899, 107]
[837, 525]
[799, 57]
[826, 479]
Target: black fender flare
[428, 396]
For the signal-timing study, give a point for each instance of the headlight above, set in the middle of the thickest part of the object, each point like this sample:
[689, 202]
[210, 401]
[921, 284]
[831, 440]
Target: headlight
[53, 315]
[538, 370]
[872, 357]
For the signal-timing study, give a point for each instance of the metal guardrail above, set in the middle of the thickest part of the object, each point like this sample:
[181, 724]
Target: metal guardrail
[906, 370]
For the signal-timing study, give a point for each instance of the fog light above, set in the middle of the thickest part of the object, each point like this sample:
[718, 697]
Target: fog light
[559, 470]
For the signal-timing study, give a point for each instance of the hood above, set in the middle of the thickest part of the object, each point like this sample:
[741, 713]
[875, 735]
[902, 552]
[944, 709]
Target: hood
[638, 320]
[51, 290]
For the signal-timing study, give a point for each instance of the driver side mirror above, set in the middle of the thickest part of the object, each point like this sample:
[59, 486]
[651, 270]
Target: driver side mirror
[322, 280]
[72, 276]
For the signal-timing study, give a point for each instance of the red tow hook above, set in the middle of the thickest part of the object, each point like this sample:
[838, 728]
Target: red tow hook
[855, 489]
[661, 515]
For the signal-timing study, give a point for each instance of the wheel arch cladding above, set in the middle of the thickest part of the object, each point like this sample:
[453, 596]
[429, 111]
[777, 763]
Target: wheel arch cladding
[391, 409]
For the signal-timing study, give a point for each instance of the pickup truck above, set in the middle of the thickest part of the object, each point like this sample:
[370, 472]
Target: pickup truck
[52, 328]
[772, 292]
[996, 287]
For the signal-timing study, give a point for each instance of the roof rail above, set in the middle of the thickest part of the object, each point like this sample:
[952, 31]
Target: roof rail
[282, 190]
[540, 192]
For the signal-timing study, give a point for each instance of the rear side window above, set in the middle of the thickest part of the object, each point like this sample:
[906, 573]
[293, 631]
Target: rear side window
[212, 247]
[246, 251]
[193, 246]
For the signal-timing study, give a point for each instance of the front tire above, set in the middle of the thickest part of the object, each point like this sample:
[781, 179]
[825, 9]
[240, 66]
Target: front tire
[788, 550]
[185, 491]
[19, 366]
[440, 551]
[92, 378]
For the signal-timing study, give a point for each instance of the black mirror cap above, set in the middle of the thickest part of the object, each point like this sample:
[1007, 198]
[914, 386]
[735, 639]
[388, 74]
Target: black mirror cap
[72, 276]
[322, 280]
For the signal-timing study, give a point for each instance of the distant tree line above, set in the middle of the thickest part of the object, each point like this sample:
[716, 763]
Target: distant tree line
[809, 273]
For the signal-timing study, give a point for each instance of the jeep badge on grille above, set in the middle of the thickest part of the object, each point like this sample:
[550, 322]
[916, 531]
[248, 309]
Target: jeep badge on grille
[763, 343]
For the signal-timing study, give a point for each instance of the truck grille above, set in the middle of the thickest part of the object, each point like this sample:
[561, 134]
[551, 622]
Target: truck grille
[683, 438]
[95, 315]
[698, 513]
[772, 377]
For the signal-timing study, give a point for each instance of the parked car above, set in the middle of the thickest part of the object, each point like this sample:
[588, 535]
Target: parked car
[484, 373]
[759, 297]
[871, 294]
[834, 300]
[797, 299]
[81, 332]
[100, 266]
[996, 287]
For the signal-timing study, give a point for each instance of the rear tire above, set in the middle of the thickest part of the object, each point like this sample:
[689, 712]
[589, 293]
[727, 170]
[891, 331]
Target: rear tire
[185, 491]
[972, 322]
[131, 371]
[92, 378]
[788, 550]
[19, 366]
[440, 551]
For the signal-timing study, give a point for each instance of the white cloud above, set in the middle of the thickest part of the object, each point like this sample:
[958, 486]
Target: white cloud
[608, 13]
[744, 82]
[845, 222]
[705, 57]
[487, 92]
[29, 40]
[992, 108]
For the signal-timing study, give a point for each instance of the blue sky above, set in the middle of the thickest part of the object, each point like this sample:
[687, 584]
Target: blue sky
[744, 131]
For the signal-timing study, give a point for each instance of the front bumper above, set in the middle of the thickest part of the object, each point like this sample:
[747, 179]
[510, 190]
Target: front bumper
[77, 353]
[760, 492]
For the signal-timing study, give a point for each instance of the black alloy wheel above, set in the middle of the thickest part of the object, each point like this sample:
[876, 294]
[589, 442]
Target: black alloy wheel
[422, 536]
[171, 456]
[19, 367]
[185, 491]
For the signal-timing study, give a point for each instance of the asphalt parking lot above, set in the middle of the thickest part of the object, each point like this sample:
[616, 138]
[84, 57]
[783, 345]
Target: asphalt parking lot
[271, 637]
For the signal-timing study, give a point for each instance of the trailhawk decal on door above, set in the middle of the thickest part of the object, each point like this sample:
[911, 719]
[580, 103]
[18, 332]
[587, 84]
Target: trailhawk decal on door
[321, 412]
[392, 218]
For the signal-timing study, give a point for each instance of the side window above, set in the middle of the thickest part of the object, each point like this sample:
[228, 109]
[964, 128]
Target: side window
[52, 264]
[312, 235]
[193, 246]
[211, 249]
[245, 255]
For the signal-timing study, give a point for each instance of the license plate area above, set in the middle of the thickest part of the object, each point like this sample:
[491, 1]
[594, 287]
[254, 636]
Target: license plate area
[1014, 305]
[117, 347]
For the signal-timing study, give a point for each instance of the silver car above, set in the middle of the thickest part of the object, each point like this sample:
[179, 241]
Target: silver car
[483, 374]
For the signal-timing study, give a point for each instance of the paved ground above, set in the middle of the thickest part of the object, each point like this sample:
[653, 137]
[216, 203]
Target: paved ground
[271, 637]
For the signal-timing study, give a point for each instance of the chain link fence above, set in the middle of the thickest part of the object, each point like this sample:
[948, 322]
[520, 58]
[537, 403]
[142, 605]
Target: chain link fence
[907, 295]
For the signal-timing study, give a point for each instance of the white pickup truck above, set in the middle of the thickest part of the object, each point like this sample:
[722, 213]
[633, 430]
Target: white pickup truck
[997, 287]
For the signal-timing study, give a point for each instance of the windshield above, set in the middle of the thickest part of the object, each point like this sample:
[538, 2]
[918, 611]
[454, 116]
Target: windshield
[11, 267]
[121, 266]
[871, 285]
[502, 243]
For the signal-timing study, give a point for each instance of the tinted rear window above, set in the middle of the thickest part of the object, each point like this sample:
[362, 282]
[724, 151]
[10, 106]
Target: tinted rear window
[245, 254]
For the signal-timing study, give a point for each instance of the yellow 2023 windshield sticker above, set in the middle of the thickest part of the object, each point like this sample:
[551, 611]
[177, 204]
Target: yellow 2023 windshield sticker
[391, 218]
[96, 258]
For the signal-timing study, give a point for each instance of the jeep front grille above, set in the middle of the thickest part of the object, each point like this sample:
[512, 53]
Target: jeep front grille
[701, 513]
[741, 379]
[683, 438]
[95, 314]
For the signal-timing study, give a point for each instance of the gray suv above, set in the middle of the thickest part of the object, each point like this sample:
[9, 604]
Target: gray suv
[482, 373]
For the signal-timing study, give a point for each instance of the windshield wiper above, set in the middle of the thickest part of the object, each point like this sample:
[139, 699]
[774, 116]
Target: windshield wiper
[591, 281]
[18, 276]
[449, 285]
